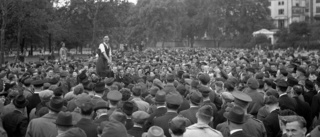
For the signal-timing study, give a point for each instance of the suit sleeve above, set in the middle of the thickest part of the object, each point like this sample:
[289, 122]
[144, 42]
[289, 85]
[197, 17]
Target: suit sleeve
[268, 127]
[315, 107]
[23, 126]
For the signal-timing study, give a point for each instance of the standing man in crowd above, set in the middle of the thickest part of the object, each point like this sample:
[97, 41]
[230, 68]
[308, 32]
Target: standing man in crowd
[105, 57]
[63, 52]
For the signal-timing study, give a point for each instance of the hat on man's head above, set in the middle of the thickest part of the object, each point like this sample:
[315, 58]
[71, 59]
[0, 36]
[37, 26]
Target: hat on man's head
[204, 78]
[174, 98]
[100, 87]
[227, 96]
[281, 83]
[109, 81]
[292, 81]
[113, 129]
[309, 85]
[253, 83]
[260, 75]
[270, 100]
[46, 85]
[170, 77]
[64, 74]
[20, 101]
[54, 80]
[206, 110]
[46, 95]
[160, 97]
[182, 89]
[158, 83]
[154, 131]
[101, 105]
[58, 91]
[204, 90]
[153, 90]
[196, 97]
[64, 119]
[140, 116]
[236, 115]
[37, 83]
[82, 99]
[114, 95]
[241, 99]
[55, 104]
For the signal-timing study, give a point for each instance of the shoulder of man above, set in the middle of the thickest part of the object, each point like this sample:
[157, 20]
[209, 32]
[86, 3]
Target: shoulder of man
[201, 127]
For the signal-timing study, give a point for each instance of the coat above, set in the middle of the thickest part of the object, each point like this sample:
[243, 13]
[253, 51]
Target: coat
[303, 109]
[88, 126]
[15, 123]
[34, 100]
[201, 130]
[190, 114]
[43, 126]
[286, 102]
[129, 123]
[257, 101]
[315, 107]
[184, 106]
[101, 119]
[163, 122]
[136, 131]
[252, 127]
[271, 123]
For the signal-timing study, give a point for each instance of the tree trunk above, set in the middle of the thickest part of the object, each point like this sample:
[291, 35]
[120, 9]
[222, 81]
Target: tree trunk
[50, 42]
[31, 49]
[19, 39]
[191, 41]
[2, 45]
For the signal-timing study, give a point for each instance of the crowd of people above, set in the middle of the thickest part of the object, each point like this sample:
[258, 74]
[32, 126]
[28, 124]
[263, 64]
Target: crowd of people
[164, 93]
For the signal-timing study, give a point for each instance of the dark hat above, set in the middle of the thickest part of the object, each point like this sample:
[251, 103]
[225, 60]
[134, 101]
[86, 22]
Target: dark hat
[55, 104]
[206, 110]
[269, 81]
[64, 74]
[241, 99]
[64, 119]
[160, 97]
[196, 97]
[75, 132]
[20, 101]
[54, 80]
[101, 105]
[154, 131]
[46, 85]
[253, 83]
[114, 95]
[309, 85]
[236, 115]
[204, 90]
[170, 77]
[270, 100]
[281, 83]
[272, 92]
[27, 81]
[260, 75]
[127, 108]
[140, 116]
[100, 87]
[204, 78]
[153, 90]
[195, 83]
[174, 98]
[113, 129]
[58, 91]
[182, 89]
[37, 83]
[292, 81]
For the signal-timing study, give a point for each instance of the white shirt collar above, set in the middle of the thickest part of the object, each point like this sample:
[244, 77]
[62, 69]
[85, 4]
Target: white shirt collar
[235, 130]
[282, 94]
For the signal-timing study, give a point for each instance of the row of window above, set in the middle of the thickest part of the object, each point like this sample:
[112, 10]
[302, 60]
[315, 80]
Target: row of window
[281, 11]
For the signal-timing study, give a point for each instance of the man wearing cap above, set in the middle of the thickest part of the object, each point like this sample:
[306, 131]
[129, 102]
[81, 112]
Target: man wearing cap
[195, 101]
[35, 99]
[253, 126]
[201, 128]
[236, 118]
[160, 106]
[86, 123]
[285, 101]
[44, 126]
[154, 131]
[101, 109]
[113, 99]
[213, 95]
[173, 102]
[64, 122]
[271, 122]
[257, 98]
[16, 122]
[139, 120]
[141, 104]
[98, 93]
[169, 87]
[127, 108]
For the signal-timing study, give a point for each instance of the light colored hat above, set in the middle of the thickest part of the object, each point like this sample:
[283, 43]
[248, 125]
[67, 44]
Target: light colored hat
[154, 131]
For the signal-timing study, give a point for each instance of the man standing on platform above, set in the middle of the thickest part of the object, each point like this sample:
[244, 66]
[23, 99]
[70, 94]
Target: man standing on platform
[63, 52]
[105, 58]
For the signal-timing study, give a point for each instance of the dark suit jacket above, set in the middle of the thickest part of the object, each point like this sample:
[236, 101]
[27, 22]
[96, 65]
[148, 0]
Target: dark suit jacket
[303, 109]
[15, 123]
[129, 124]
[219, 117]
[309, 95]
[190, 114]
[163, 122]
[157, 113]
[239, 134]
[315, 107]
[34, 100]
[184, 106]
[286, 102]
[135, 131]
[88, 126]
[271, 123]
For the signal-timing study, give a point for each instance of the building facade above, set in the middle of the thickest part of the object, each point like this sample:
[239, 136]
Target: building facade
[284, 12]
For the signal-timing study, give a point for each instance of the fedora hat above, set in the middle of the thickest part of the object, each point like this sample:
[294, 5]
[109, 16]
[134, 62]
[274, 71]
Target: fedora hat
[236, 115]
[100, 87]
[64, 119]
[154, 131]
[55, 104]
[20, 101]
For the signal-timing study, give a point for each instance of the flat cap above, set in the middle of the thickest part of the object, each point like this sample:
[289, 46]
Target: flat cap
[281, 83]
[46, 95]
[140, 116]
[241, 99]
[101, 105]
[227, 96]
[204, 90]
[37, 83]
[174, 98]
[114, 95]
[196, 97]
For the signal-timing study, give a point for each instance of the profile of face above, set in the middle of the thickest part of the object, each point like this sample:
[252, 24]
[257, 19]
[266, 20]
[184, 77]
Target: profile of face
[106, 39]
[294, 129]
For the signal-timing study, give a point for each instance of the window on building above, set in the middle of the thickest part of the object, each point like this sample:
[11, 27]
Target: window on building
[307, 10]
[318, 1]
[297, 4]
[280, 23]
[283, 3]
[281, 11]
[317, 9]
